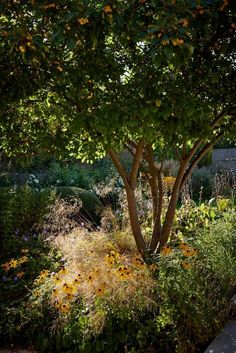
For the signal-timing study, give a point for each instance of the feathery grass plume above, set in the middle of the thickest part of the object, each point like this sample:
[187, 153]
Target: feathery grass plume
[99, 273]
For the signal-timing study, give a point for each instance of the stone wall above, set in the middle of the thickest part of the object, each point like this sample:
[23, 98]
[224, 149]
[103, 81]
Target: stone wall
[224, 158]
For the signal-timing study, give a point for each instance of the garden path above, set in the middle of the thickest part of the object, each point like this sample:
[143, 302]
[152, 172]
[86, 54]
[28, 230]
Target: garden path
[225, 342]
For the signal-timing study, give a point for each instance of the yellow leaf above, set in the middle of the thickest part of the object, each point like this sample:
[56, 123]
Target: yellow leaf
[22, 49]
[158, 103]
[107, 9]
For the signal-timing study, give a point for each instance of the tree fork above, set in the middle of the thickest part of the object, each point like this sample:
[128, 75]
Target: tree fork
[131, 199]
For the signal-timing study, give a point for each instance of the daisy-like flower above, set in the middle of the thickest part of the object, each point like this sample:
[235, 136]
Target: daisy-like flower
[166, 250]
[153, 267]
[186, 265]
[99, 291]
[124, 272]
[23, 259]
[13, 263]
[20, 274]
[44, 274]
[6, 266]
[76, 282]
[190, 252]
[138, 262]
[183, 246]
[110, 259]
[24, 251]
[68, 288]
[63, 271]
[70, 296]
[64, 308]
[57, 279]
[55, 292]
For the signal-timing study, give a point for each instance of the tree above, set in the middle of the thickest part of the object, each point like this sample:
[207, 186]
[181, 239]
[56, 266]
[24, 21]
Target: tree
[135, 74]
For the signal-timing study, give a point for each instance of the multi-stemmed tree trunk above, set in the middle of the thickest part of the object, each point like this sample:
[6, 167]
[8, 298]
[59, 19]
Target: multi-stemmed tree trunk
[143, 154]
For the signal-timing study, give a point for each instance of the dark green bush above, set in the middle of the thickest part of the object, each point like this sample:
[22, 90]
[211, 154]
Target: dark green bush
[20, 209]
[92, 207]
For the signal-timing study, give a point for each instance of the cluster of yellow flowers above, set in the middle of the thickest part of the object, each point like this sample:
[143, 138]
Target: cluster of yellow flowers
[115, 278]
[168, 183]
[14, 263]
[187, 251]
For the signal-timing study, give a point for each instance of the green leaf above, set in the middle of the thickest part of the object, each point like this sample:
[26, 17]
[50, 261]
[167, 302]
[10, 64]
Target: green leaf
[168, 52]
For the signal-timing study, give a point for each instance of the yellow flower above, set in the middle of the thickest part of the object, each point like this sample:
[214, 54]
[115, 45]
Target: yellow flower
[36, 293]
[101, 289]
[44, 274]
[90, 278]
[22, 260]
[24, 251]
[63, 271]
[183, 246]
[186, 265]
[83, 21]
[13, 263]
[67, 288]
[65, 307]
[138, 262]
[55, 292]
[6, 267]
[20, 274]
[57, 279]
[153, 267]
[110, 260]
[76, 282]
[70, 296]
[190, 252]
[166, 250]
[107, 9]
[124, 272]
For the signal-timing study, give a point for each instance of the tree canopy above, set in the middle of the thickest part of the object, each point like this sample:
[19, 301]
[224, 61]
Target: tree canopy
[90, 77]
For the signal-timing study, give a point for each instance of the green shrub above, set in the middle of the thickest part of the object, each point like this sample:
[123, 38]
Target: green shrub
[59, 174]
[20, 209]
[195, 290]
[92, 207]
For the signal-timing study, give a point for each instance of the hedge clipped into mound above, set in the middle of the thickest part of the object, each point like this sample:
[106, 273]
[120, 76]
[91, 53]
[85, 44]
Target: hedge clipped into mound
[92, 207]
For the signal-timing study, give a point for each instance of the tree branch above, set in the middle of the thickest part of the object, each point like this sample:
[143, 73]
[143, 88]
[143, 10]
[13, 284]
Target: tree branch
[119, 167]
[200, 155]
[136, 163]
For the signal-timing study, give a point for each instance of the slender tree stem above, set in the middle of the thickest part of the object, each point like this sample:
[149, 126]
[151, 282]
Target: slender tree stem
[136, 164]
[199, 156]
